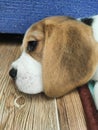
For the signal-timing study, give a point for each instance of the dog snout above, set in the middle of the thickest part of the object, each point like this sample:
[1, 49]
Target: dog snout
[13, 73]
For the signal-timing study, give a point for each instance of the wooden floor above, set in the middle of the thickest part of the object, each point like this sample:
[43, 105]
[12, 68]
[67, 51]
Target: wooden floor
[34, 112]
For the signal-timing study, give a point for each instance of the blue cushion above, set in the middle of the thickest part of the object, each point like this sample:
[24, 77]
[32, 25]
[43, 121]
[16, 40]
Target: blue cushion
[17, 16]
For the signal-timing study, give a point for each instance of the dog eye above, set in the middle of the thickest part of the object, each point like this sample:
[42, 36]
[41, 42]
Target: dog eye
[32, 45]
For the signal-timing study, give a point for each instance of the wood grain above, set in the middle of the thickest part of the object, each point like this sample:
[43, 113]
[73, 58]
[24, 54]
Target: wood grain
[71, 112]
[19, 111]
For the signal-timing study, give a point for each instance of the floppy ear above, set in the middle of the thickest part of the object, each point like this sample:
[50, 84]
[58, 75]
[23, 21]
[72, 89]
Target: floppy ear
[67, 58]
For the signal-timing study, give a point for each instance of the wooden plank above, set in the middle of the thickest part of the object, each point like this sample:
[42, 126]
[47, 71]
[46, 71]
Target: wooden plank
[71, 113]
[36, 113]
[17, 110]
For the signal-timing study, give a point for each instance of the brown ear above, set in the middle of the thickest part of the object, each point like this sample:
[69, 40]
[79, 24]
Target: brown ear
[67, 57]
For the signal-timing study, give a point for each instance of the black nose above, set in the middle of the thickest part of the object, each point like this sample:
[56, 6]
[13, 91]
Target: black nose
[13, 73]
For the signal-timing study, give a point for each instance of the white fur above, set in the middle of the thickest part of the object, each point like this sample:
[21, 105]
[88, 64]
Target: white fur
[96, 94]
[95, 78]
[29, 74]
[95, 27]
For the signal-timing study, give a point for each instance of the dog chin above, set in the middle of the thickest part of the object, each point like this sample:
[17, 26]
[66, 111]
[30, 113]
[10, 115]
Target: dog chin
[29, 74]
[29, 86]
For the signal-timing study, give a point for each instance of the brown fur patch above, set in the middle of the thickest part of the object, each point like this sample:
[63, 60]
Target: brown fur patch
[68, 58]
[67, 51]
[76, 55]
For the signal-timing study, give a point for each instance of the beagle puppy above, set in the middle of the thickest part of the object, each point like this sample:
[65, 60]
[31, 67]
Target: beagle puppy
[58, 54]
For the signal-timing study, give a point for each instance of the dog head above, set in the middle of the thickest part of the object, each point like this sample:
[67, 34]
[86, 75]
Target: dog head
[57, 56]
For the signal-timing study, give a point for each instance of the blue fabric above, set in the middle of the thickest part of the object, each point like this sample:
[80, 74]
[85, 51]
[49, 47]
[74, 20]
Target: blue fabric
[17, 16]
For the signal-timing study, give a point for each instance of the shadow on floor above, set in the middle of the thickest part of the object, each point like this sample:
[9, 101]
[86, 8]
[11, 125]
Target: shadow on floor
[10, 38]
